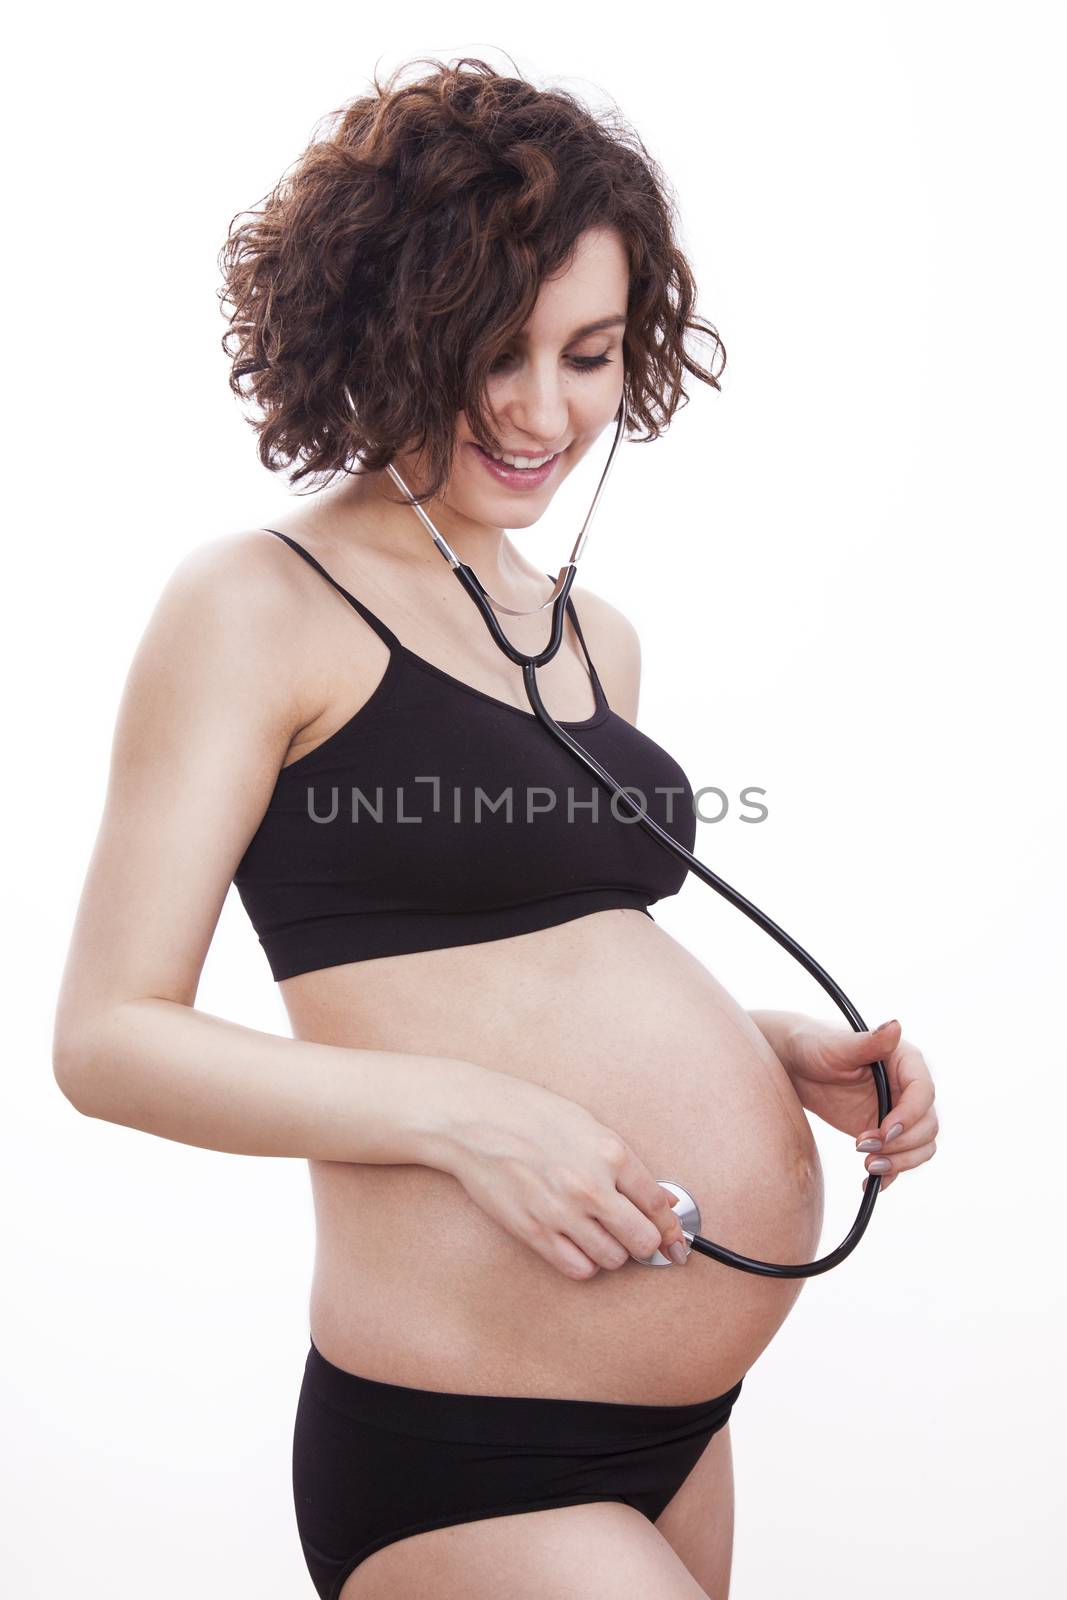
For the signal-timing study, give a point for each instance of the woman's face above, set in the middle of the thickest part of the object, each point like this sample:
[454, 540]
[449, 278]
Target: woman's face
[552, 392]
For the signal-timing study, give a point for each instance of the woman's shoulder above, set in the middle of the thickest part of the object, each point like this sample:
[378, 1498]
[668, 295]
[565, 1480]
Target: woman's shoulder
[614, 647]
[247, 568]
[232, 607]
[603, 622]
[244, 590]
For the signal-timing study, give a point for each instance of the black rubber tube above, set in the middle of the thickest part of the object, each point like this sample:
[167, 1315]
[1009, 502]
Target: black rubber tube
[529, 665]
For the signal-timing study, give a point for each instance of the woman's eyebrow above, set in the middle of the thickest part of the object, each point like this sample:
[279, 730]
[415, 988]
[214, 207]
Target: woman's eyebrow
[588, 327]
[595, 327]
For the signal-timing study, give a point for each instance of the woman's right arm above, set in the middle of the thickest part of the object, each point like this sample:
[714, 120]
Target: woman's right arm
[207, 716]
[205, 721]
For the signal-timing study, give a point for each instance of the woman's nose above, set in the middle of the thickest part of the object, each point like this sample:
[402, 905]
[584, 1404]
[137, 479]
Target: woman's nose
[538, 410]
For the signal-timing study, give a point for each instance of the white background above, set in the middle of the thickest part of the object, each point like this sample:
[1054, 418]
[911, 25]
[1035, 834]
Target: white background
[846, 572]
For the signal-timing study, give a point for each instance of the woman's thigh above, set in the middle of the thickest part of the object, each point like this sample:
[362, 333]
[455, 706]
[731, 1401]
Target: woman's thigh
[601, 1551]
[698, 1523]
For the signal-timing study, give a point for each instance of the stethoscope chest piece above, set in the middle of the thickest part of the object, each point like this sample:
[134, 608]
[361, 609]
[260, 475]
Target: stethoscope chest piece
[688, 1213]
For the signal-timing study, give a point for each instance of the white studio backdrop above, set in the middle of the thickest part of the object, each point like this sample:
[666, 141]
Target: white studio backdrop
[846, 572]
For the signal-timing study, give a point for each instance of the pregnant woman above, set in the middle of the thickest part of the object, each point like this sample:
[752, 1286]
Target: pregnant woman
[497, 1052]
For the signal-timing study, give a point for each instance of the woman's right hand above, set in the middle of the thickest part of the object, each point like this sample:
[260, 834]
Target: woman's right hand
[554, 1177]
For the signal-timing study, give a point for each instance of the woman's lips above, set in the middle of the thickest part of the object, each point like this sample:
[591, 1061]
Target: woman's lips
[516, 477]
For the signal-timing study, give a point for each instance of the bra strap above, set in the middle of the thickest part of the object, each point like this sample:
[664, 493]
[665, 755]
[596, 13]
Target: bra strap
[585, 651]
[597, 685]
[365, 612]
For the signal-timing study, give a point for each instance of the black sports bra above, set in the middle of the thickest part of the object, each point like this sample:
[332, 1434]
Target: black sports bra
[440, 816]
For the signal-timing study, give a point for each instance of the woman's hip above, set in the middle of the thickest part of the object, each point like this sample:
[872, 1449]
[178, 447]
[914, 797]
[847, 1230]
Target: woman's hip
[374, 1462]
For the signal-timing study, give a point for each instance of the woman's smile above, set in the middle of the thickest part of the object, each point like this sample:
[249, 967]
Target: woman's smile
[517, 477]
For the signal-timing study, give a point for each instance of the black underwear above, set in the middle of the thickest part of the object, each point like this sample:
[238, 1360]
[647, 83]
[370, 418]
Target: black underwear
[376, 1462]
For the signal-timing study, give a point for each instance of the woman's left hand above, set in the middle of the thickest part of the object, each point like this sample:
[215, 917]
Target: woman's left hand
[830, 1069]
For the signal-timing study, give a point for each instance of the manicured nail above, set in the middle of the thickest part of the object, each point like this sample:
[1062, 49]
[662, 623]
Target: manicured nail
[678, 1253]
[881, 1165]
[869, 1144]
[898, 1127]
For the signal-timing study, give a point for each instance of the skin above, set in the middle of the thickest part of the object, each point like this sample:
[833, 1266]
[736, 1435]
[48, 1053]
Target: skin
[541, 410]
[250, 660]
[548, 399]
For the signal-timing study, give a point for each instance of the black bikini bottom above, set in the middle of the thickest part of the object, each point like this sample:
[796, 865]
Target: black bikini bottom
[376, 1462]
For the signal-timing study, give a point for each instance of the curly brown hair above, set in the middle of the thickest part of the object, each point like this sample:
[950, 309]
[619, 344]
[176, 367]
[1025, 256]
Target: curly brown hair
[405, 248]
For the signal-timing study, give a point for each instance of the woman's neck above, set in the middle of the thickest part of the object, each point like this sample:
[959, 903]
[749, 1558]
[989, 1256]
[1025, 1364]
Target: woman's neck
[369, 510]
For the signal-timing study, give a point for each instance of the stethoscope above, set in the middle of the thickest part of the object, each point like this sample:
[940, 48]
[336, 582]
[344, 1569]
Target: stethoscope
[687, 1211]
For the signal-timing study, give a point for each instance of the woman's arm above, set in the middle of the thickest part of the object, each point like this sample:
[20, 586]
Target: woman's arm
[206, 719]
[167, 1069]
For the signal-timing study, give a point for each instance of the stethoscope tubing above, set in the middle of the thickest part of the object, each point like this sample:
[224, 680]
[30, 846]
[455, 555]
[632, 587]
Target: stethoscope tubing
[529, 664]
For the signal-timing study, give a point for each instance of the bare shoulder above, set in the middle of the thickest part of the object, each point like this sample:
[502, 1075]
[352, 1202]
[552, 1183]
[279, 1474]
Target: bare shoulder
[233, 606]
[203, 725]
[244, 574]
[615, 648]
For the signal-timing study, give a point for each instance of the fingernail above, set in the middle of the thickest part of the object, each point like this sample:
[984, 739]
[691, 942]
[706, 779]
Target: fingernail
[898, 1127]
[881, 1165]
[678, 1253]
[888, 1024]
[869, 1144]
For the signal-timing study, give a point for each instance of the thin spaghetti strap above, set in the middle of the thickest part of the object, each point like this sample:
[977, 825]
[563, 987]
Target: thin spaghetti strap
[598, 686]
[365, 612]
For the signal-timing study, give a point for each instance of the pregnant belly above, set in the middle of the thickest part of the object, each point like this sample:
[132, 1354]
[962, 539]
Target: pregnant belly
[415, 1284]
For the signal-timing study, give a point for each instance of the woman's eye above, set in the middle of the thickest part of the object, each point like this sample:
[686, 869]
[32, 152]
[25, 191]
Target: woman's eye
[579, 363]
